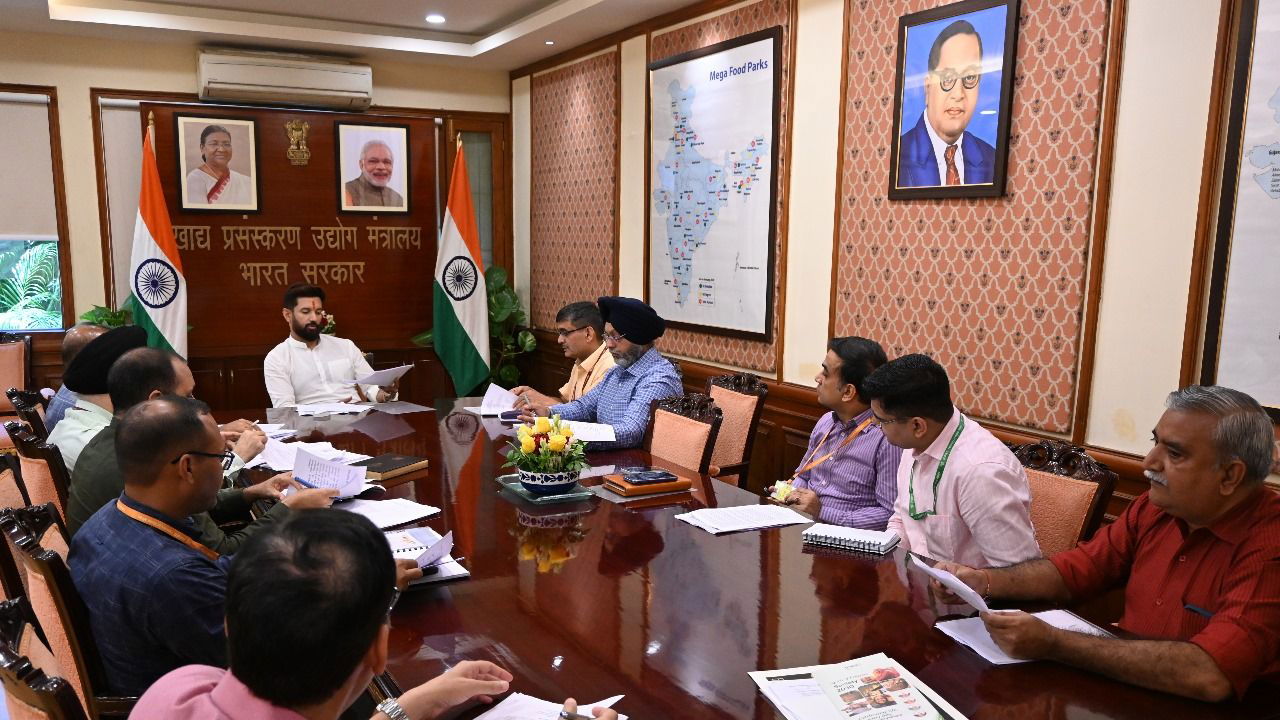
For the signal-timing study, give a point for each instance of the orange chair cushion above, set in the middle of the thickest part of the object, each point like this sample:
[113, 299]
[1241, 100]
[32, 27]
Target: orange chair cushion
[679, 439]
[58, 634]
[39, 483]
[10, 493]
[1059, 509]
[735, 427]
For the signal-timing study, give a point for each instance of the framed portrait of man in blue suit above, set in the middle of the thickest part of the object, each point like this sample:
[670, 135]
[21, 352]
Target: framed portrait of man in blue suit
[952, 97]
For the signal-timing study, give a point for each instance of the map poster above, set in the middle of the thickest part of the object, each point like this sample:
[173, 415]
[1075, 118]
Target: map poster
[1242, 345]
[713, 158]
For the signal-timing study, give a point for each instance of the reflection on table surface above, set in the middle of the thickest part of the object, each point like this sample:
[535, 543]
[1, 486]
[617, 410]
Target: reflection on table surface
[591, 599]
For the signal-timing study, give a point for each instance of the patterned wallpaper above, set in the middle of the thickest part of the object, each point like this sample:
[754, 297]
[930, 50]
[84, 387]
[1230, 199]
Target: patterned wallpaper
[574, 171]
[991, 288]
[765, 14]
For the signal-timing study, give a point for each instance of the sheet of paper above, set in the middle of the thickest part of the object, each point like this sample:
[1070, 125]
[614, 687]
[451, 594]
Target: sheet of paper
[381, 378]
[280, 456]
[795, 693]
[743, 517]
[389, 513]
[409, 543]
[598, 470]
[952, 583]
[400, 407]
[331, 408]
[437, 552]
[315, 471]
[269, 428]
[972, 632]
[876, 687]
[518, 706]
[496, 400]
[591, 432]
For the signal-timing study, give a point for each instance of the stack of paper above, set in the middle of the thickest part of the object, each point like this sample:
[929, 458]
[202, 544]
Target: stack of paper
[744, 517]
[496, 400]
[430, 551]
[972, 633]
[875, 687]
[389, 513]
[331, 408]
[280, 456]
[518, 706]
[315, 472]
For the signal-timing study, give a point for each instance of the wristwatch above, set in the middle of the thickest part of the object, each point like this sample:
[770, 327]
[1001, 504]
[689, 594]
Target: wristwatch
[392, 709]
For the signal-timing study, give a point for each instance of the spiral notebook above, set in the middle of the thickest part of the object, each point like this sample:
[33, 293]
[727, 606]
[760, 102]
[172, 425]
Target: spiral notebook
[846, 538]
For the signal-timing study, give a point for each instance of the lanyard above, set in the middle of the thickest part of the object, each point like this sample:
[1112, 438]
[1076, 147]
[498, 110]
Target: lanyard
[806, 468]
[937, 477]
[165, 528]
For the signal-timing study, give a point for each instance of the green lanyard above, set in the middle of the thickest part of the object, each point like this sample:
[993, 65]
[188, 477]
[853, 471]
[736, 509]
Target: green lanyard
[937, 477]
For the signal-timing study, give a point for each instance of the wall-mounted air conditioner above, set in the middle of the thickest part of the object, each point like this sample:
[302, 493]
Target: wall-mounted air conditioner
[284, 79]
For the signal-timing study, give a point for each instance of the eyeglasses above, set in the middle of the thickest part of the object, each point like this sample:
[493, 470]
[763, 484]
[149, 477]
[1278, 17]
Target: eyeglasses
[947, 78]
[225, 456]
[612, 337]
[395, 598]
[881, 422]
[566, 333]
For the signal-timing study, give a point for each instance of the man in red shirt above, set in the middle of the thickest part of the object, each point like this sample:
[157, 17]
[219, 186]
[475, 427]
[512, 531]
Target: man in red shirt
[1198, 556]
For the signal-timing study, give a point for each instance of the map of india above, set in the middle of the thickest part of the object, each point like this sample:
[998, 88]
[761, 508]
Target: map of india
[693, 189]
[1267, 158]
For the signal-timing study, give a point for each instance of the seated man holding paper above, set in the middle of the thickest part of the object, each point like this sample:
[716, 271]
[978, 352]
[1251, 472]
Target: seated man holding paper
[145, 374]
[580, 331]
[641, 375]
[962, 495]
[311, 367]
[1198, 556]
[331, 575]
[849, 475]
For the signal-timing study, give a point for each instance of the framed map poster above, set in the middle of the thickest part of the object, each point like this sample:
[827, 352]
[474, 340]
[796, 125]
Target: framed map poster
[1242, 339]
[713, 158]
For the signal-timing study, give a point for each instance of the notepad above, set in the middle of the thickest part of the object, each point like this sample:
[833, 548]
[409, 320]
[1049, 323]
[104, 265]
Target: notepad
[744, 517]
[389, 513]
[847, 538]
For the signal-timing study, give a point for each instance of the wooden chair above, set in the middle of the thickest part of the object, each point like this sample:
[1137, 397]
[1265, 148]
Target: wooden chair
[29, 672]
[683, 429]
[741, 397]
[30, 406]
[1069, 492]
[44, 475]
[65, 622]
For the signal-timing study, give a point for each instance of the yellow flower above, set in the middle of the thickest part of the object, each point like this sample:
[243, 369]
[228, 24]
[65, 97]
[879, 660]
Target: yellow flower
[523, 431]
[541, 425]
[556, 443]
[566, 431]
[526, 444]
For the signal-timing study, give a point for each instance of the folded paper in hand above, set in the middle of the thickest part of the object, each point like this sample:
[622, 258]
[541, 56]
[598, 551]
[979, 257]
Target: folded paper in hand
[951, 582]
[496, 400]
[381, 378]
[311, 470]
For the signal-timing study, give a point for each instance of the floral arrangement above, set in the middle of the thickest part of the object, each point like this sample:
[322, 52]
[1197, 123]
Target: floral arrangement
[547, 446]
[329, 325]
[550, 542]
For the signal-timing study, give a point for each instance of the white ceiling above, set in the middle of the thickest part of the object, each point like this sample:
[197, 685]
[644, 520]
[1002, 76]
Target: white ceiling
[480, 34]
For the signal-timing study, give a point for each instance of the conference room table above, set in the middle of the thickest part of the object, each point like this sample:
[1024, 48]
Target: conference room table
[592, 598]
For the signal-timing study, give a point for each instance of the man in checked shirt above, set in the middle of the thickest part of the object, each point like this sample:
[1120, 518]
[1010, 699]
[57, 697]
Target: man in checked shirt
[848, 476]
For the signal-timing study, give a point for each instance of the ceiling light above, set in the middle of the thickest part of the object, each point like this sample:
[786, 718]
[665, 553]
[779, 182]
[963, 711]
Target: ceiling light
[549, 42]
[435, 18]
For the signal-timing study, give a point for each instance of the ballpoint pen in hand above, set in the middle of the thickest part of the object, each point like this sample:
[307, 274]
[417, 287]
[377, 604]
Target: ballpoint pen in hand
[567, 715]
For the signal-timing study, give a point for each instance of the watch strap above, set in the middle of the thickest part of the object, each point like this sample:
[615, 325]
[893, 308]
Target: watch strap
[392, 709]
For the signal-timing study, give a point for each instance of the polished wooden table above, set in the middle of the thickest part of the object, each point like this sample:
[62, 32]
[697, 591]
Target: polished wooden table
[592, 599]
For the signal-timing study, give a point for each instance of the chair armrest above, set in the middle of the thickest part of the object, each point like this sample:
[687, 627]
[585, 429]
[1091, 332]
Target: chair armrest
[111, 706]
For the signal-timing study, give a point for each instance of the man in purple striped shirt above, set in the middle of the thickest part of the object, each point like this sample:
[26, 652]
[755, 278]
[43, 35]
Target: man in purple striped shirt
[849, 474]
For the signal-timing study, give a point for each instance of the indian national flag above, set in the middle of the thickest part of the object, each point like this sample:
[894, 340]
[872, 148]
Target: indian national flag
[158, 297]
[461, 323]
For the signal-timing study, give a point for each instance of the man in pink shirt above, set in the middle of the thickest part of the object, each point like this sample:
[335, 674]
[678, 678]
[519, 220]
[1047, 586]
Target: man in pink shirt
[307, 610]
[962, 495]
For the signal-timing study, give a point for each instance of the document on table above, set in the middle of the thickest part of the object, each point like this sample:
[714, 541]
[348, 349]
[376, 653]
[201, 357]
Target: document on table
[313, 471]
[400, 407]
[743, 517]
[972, 633]
[795, 693]
[280, 456]
[952, 583]
[389, 513]
[331, 408]
[496, 400]
[381, 378]
[518, 706]
[591, 432]
[276, 430]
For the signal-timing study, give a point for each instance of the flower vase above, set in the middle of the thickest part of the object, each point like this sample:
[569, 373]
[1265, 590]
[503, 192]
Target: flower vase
[549, 483]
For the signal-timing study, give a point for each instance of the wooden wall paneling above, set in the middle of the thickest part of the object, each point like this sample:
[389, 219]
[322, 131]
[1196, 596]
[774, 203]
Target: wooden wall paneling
[46, 359]
[1101, 216]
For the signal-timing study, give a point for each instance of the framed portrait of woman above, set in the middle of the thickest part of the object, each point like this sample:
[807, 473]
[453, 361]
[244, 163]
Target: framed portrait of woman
[217, 164]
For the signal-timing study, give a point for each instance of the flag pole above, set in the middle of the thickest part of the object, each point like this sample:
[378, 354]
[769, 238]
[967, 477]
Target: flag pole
[151, 130]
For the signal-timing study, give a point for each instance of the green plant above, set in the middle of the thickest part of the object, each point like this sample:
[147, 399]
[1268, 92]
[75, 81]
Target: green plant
[31, 286]
[106, 317]
[509, 335]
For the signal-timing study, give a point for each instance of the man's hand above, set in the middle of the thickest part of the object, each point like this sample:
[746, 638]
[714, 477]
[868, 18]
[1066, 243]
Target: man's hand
[806, 501]
[469, 680]
[571, 705]
[235, 427]
[249, 444]
[527, 397]
[272, 488]
[976, 579]
[529, 412]
[407, 571]
[310, 499]
[386, 392]
[1021, 635]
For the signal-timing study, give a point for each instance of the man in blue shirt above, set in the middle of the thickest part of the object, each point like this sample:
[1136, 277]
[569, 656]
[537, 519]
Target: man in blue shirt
[640, 375]
[72, 342]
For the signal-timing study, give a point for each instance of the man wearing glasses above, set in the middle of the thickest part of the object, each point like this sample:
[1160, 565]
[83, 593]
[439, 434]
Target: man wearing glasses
[939, 150]
[579, 330]
[962, 495]
[641, 376]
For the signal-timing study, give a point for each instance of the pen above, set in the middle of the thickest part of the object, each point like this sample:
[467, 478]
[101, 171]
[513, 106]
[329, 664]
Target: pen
[442, 562]
[566, 715]
[304, 483]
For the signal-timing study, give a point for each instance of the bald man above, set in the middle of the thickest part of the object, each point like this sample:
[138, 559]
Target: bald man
[371, 188]
[75, 338]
